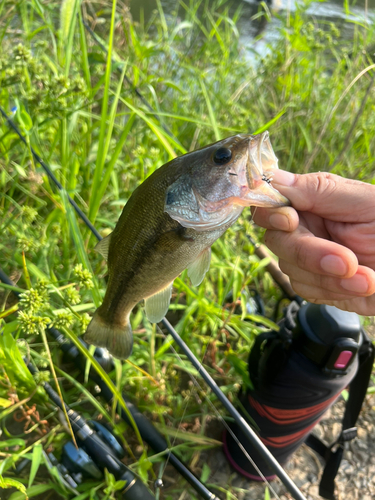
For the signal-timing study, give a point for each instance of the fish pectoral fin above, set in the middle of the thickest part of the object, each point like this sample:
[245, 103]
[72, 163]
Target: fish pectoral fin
[103, 246]
[156, 306]
[198, 268]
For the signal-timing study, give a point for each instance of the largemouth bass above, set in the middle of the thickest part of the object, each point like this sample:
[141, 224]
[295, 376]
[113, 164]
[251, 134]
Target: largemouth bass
[169, 224]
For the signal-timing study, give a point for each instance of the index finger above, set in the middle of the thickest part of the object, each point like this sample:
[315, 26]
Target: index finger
[327, 195]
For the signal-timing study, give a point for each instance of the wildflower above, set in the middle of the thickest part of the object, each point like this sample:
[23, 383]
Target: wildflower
[42, 376]
[83, 322]
[61, 83]
[63, 319]
[31, 324]
[154, 152]
[72, 296]
[41, 286]
[26, 243]
[42, 363]
[139, 151]
[21, 53]
[84, 276]
[28, 214]
[32, 300]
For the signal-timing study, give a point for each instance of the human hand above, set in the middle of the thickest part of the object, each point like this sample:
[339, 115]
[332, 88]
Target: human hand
[326, 242]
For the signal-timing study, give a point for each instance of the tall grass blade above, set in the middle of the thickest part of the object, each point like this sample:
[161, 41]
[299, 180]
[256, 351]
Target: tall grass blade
[35, 462]
[101, 154]
[111, 164]
[96, 200]
[79, 245]
[68, 18]
[210, 110]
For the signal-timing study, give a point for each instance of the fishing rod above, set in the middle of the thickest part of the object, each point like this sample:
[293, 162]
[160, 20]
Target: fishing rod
[251, 435]
[146, 429]
[102, 454]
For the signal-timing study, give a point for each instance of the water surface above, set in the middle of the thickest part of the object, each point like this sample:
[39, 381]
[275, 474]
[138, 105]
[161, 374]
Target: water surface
[331, 10]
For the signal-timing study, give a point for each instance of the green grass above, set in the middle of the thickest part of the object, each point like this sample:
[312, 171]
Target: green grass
[77, 110]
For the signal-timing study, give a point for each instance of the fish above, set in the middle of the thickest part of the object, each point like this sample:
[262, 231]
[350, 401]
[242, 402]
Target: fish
[169, 224]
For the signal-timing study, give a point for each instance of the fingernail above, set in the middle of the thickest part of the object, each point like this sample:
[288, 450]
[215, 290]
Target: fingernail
[334, 265]
[357, 283]
[283, 177]
[279, 221]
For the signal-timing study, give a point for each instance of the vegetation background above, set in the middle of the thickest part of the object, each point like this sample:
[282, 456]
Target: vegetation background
[78, 107]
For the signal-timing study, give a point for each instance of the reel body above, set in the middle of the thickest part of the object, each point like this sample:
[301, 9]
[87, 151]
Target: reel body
[297, 373]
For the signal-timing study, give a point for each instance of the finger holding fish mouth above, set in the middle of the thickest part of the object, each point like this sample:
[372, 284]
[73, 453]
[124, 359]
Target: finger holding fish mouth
[327, 247]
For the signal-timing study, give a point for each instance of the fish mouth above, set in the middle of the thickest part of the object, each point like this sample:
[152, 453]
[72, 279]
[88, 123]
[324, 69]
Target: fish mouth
[260, 165]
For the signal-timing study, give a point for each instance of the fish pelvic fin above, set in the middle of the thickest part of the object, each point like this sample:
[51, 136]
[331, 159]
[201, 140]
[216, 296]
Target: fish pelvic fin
[198, 268]
[157, 305]
[117, 338]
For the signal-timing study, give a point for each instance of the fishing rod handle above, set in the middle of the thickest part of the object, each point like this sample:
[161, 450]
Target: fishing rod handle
[103, 456]
[146, 429]
[152, 436]
[99, 451]
[273, 268]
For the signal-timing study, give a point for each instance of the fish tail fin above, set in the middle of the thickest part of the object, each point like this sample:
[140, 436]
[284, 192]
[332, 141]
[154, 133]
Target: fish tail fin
[117, 338]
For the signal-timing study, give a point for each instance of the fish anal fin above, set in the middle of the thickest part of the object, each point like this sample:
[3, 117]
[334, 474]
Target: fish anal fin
[103, 246]
[156, 306]
[198, 268]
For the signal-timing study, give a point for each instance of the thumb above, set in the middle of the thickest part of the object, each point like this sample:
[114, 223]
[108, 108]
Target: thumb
[327, 195]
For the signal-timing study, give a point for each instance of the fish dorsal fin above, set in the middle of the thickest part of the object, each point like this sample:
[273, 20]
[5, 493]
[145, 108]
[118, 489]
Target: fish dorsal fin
[156, 306]
[198, 268]
[103, 246]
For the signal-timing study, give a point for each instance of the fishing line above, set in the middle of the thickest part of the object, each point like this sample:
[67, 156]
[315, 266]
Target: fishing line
[193, 389]
[221, 418]
[239, 419]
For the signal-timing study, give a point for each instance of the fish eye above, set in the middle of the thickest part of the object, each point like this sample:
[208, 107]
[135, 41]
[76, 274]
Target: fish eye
[222, 156]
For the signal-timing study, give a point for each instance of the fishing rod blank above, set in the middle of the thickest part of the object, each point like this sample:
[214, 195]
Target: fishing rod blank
[50, 174]
[104, 457]
[146, 429]
[240, 421]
